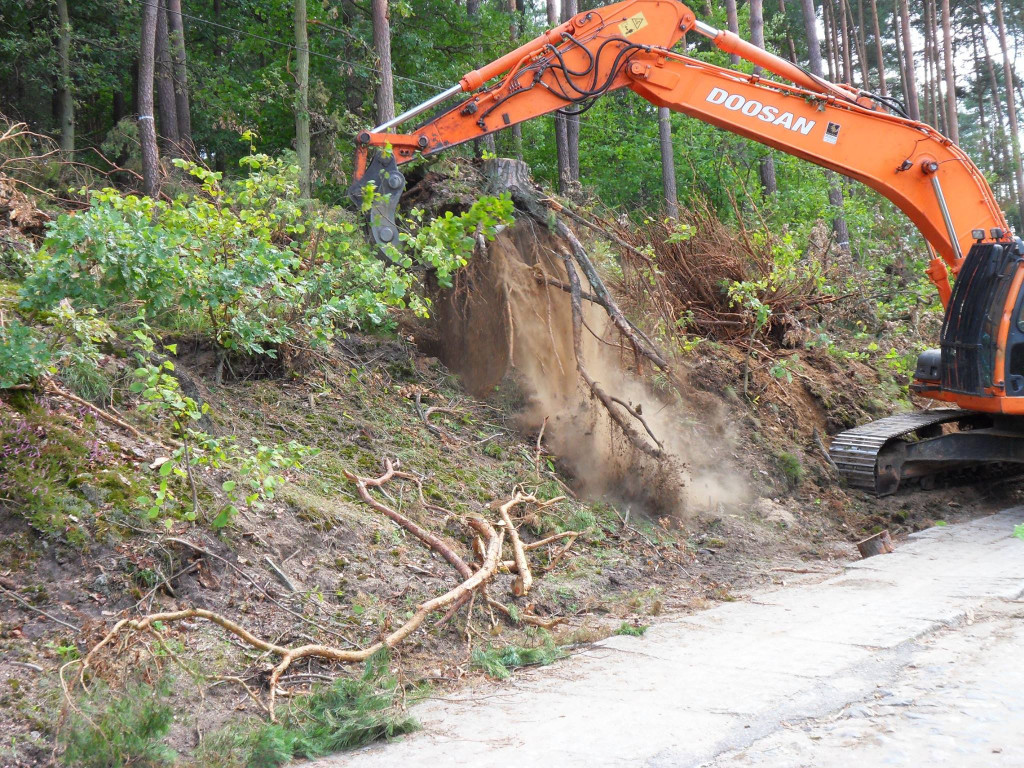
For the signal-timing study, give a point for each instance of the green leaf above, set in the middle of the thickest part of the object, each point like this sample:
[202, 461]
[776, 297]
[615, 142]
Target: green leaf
[228, 485]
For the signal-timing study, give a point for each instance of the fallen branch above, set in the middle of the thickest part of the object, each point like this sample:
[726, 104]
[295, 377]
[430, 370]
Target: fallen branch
[40, 611]
[288, 656]
[524, 580]
[51, 386]
[363, 485]
[525, 618]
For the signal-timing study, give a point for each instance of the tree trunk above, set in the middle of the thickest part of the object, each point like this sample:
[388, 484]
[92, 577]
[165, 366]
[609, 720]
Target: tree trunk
[733, 20]
[302, 96]
[66, 93]
[486, 144]
[147, 126]
[182, 105]
[668, 163]
[516, 131]
[766, 167]
[382, 47]
[947, 52]
[167, 108]
[882, 88]
[844, 31]
[216, 36]
[909, 77]
[811, 31]
[831, 60]
[1011, 109]
[572, 124]
[561, 134]
[860, 33]
[835, 192]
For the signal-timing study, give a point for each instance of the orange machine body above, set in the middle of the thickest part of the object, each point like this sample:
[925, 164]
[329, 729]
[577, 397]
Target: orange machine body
[629, 45]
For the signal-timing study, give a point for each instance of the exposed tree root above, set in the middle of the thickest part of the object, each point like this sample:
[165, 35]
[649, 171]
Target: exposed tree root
[634, 437]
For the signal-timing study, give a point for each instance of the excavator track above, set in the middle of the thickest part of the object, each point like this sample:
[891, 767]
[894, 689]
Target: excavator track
[856, 451]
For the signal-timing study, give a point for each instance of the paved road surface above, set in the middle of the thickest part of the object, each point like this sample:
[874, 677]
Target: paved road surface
[910, 659]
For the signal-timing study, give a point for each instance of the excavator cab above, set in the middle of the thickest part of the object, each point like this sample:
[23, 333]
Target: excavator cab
[979, 366]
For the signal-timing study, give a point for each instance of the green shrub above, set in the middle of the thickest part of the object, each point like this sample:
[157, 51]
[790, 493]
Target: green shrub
[243, 262]
[791, 467]
[119, 730]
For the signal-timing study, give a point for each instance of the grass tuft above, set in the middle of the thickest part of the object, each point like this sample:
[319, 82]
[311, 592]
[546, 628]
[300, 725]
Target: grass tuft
[499, 662]
[632, 630]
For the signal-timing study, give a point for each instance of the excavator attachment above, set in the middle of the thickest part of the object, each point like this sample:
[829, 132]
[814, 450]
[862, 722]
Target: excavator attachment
[383, 184]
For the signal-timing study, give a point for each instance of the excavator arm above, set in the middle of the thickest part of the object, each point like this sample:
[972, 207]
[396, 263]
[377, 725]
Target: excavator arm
[629, 45]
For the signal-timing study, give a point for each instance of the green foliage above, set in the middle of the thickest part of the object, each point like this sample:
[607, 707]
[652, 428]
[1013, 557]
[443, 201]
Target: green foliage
[240, 260]
[632, 630]
[499, 662]
[344, 715]
[24, 355]
[1018, 531]
[116, 730]
[446, 242]
[262, 468]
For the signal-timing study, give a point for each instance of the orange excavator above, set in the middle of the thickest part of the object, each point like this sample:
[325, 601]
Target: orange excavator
[979, 367]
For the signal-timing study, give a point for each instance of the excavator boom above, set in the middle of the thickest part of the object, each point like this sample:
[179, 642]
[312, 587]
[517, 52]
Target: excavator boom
[629, 45]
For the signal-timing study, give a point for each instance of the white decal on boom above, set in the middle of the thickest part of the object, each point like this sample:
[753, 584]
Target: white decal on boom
[736, 103]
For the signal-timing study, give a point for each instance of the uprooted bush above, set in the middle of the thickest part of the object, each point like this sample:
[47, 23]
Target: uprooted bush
[698, 276]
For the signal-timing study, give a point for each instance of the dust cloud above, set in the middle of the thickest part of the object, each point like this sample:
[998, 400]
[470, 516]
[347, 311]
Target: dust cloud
[504, 321]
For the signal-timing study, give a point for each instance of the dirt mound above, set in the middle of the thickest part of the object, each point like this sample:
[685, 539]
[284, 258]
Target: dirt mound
[508, 318]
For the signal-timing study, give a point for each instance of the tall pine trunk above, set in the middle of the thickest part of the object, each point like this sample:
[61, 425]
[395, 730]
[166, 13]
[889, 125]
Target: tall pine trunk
[147, 124]
[908, 74]
[382, 47]
[953, 125]
[733, 21]
[302, 98]
[167, 107]
[1011, 110]
[860, 33]
[516, 131]
[882, 87]
[487, 143]
[572, 124]
[766, 168]
[180, 67]
[844, 41]
[835, 191]
[66, 96]
[668, 163]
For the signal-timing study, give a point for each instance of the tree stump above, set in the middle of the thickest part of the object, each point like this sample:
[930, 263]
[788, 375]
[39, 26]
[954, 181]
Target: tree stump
[879, 544]
[508, 174]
